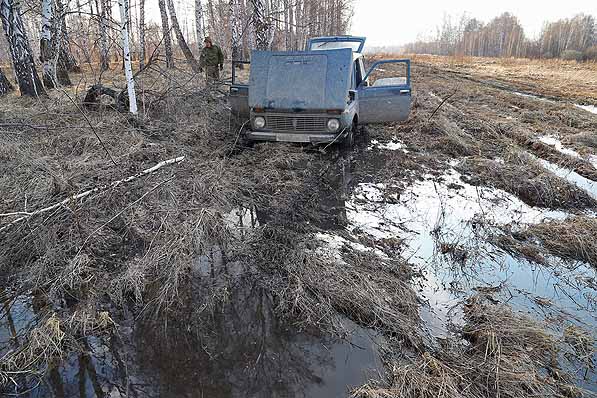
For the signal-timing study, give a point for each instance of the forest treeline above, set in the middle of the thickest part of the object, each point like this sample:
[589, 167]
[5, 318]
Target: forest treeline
[57, 36]
[569, 38]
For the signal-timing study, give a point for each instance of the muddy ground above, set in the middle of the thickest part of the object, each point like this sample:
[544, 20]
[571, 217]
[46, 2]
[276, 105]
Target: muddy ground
[445, 256]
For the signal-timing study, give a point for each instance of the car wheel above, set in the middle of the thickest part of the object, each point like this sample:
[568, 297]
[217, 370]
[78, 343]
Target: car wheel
[348, 141]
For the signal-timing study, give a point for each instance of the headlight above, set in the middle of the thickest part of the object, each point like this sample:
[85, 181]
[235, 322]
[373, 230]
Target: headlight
[259, 122]
[333, 125]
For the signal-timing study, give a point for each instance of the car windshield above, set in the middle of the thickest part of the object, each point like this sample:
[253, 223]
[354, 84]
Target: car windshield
[332, 44]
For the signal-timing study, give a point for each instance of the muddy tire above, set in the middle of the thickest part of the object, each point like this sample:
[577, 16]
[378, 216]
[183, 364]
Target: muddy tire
[243, 141]
[348, 141]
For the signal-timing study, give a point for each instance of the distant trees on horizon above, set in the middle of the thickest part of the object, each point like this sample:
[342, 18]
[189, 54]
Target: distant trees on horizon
[503, 36]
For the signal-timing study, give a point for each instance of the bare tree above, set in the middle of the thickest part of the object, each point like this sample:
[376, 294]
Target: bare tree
[66, 60]
[260, 24]
[141, 34]
[128, 70]
[20, 49]
[166, 34]
[45, 45]
[103, 30]
[182, 43]
[236, 30]
[51, 53]
[199, 22]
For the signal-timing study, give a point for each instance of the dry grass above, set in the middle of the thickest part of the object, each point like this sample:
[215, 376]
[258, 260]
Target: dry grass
[557, 78]
[573, 238]
[505, 355]
[314, 285]
[523, 176]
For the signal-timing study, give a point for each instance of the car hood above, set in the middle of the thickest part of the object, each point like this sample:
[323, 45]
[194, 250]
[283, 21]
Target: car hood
[300, 80]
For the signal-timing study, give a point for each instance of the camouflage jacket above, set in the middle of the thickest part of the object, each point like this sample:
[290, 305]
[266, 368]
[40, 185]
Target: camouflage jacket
[211, 56]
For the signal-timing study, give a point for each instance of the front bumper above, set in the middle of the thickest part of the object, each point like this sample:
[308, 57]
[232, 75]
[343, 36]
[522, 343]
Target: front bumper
[313, 138]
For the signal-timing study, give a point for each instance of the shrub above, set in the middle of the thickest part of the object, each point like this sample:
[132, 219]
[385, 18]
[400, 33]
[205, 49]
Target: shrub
[572, 55]
[590, 54]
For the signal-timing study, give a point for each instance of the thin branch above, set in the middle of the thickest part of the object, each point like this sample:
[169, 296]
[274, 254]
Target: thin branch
[25, 215]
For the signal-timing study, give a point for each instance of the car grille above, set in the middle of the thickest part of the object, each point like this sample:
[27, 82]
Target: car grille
[296, 123]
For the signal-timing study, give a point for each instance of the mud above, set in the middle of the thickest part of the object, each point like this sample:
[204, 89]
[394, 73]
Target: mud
[404, 195]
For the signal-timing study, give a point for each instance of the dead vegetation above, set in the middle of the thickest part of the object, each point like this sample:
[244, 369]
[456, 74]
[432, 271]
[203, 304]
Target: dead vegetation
[313, 284]
[137, 249]
[552, 78]
[504, 354]
[522, 175]
[572, 238]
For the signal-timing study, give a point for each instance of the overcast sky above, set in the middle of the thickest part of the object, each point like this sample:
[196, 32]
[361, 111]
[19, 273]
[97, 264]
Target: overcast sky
[394, 22]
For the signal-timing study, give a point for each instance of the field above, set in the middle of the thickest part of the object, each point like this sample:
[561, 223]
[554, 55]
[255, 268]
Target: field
[451, 255]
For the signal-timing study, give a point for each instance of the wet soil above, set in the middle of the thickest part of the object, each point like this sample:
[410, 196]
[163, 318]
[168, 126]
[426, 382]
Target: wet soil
[406, 193]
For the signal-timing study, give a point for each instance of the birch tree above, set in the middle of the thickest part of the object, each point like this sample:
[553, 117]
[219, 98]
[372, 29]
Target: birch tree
[260, 24]
[236, 30]
[66, 60]
[128, 70]
[20, 49]
[199, 22]
[103, 27]
[166, 34]
[45, 45]
[141, 34]
[182, 43]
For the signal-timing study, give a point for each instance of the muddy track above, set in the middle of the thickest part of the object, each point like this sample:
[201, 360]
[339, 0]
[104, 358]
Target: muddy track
[283, 270]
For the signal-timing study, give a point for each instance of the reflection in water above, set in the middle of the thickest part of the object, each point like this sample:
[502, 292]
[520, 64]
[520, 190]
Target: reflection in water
[237, 348]
[447, 225]
[242, 350]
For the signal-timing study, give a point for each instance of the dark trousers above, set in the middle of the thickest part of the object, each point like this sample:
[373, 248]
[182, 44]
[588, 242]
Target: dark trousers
[212, 73]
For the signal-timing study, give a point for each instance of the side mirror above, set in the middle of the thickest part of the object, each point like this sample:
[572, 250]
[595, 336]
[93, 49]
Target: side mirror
[352, 95]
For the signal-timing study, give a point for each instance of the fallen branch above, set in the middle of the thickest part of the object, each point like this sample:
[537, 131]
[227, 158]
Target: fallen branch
[440, 105]
[25, 215]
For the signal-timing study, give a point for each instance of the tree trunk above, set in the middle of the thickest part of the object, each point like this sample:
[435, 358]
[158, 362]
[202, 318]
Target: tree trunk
[45, 45]
[180, 38]
[199, 22]
[235, 28]
[128, 70]
[20, 50]
[141, 34]
[260, 25]
[66, 59]
[5, 85]
[166, 34]
[104, 62]
[52, 54]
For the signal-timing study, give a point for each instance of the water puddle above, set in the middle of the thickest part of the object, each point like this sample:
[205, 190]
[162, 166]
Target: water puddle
[446, 226]
[557, 144]
[394, 145]
[537, 97]
[573, 177]
[588, 108]
[239, 350]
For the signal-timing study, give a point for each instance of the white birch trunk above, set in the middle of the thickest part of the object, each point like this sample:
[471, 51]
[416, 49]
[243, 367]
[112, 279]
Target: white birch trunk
[128, 70]
[20, 50]
[260, 24]
[199, 22]
[45, 45]
[105, 65]
[236, 30]
[141, 34]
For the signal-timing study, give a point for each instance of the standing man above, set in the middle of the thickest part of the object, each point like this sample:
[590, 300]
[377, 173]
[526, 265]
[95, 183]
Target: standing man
[212, 59]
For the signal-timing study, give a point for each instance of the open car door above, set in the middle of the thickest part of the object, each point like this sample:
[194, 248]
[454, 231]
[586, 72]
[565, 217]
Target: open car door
[239, 91]
[384, 94]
